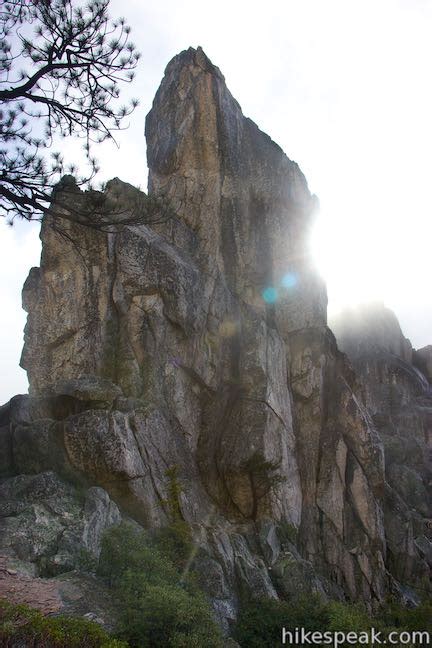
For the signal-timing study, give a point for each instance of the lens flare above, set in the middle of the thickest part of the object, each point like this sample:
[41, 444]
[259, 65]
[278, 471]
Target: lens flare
[228, 328]
[289, 280]
[270, 295]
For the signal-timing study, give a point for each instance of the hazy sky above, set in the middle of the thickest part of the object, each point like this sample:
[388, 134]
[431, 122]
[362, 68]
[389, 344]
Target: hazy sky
[345, 88]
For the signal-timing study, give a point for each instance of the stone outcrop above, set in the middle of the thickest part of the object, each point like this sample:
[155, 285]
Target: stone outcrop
[73, 593]
[47, 527]
[200, 340]
[395, 387]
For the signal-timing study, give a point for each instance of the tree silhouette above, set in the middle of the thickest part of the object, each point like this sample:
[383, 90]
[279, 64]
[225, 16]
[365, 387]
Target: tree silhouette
[61, 67]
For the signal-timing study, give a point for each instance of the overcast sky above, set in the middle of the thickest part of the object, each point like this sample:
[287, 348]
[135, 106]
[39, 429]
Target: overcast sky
[345, 88]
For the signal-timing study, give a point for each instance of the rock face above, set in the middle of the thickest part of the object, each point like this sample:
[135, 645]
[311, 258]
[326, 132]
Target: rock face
[422, 359]
[200, 341]
[396, 390]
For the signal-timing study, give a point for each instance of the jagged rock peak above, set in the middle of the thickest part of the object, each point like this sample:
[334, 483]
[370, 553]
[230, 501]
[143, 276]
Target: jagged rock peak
[247, 203]
[195, 57]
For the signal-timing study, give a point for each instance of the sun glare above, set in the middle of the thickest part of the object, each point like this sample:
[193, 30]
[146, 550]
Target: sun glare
[347, 260]
[375, 255]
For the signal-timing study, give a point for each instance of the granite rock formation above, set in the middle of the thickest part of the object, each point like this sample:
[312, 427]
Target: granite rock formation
[396, 389]
[200, 341]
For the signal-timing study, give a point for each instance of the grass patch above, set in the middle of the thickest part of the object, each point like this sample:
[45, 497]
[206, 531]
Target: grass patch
[21, 625]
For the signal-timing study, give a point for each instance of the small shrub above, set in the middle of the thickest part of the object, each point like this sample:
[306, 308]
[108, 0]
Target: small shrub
[264, 478]
[174, 491]
[86, 561]
[287, 533]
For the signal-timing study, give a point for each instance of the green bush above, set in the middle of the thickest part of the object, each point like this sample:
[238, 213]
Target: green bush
[159, 604]
[287, 533]
[166, 615]
[260, 622]
[419, 618]
[86, 561]
[124, 549]
[345, 617]
[21, 625]
[174, 542]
